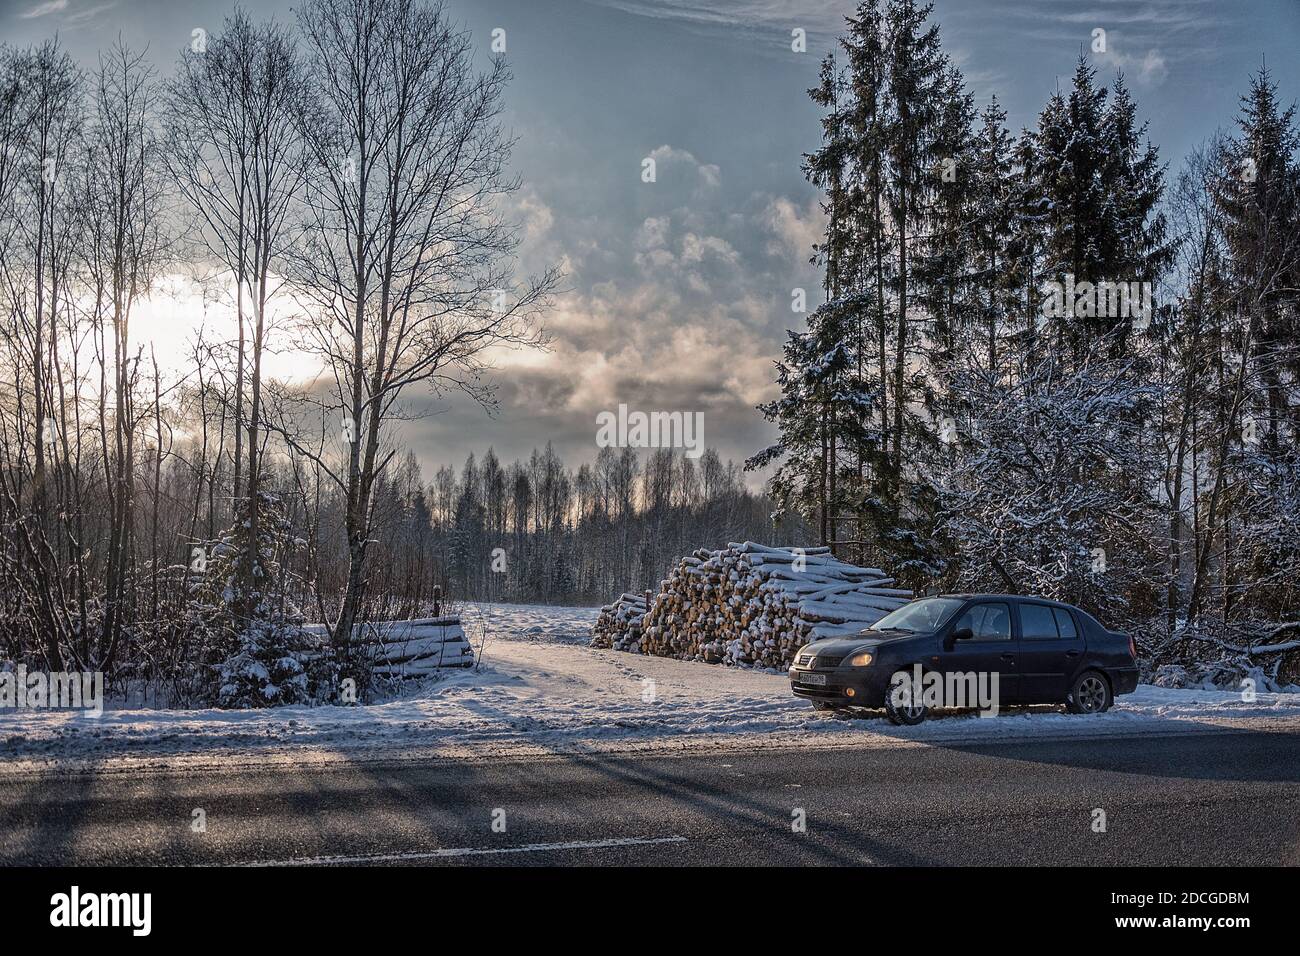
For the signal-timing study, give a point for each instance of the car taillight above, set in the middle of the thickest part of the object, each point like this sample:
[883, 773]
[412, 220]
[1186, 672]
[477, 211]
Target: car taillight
[1132, 648]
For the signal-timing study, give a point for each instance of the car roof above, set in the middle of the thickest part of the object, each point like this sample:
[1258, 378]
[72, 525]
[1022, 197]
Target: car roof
[1009, 597]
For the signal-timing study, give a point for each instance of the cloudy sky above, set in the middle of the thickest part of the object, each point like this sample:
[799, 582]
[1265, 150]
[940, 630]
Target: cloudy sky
[680, 289]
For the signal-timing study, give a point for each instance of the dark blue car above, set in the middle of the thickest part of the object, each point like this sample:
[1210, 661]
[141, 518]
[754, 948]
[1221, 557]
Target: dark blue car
[1013, 649]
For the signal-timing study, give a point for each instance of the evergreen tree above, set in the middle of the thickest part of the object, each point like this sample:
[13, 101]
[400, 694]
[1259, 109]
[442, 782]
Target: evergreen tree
[1254, 401]
[992, 217]
[1101, 184]
[918, 79]
[253, 629]
[822, 396]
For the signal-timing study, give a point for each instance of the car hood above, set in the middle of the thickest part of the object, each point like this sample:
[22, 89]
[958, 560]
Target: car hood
[843, 646]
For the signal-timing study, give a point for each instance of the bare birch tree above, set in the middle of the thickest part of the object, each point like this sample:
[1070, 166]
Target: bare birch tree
[234, 153]
[45, 103]
[404, 264]
[123, 249]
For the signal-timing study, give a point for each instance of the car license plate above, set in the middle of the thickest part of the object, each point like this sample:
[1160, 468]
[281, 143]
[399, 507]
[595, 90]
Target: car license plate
[818, 679]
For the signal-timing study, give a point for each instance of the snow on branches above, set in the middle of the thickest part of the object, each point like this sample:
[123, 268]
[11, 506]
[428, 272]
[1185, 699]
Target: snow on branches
[1046, 493]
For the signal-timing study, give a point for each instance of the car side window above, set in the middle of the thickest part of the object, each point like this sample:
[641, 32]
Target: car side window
[988, 622]
[1037, 623]
[1065, 621]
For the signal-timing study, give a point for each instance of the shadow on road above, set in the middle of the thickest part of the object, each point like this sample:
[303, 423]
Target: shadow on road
[1032, 741]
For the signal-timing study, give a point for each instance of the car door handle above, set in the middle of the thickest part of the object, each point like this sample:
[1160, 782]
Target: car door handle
[1009, 658]
[1071, 653]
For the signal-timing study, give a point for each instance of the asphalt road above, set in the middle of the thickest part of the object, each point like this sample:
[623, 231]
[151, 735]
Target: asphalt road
[1210, 799]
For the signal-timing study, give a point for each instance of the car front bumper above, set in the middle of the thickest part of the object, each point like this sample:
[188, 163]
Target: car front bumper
[844, 686]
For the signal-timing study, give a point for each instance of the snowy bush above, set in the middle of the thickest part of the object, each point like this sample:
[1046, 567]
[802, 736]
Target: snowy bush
[251, 634]
[264, 670]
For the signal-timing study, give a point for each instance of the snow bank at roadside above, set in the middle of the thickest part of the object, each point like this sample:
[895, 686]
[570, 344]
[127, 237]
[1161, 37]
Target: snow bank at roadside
[539, 686]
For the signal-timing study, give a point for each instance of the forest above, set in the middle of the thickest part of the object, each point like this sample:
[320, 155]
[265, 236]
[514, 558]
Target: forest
[1046, 361]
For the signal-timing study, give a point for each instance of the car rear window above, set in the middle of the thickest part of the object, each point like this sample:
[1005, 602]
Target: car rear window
[1037, 623]
[1065, 622]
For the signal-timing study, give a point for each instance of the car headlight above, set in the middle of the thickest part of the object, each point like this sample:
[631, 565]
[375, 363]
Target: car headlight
[859, 660]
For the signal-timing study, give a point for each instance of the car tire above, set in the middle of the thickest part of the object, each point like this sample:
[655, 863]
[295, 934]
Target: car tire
[899, 714]
[1089, 694]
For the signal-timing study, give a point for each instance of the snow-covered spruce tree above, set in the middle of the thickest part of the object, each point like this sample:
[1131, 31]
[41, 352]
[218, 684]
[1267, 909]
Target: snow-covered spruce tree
[945, 291]
[835, 345]
[920, 79]
[848, 420]
[250, 630]
[823, 404]
[1100, 182]
[1252, 402]
[994, 196]
[867, 272]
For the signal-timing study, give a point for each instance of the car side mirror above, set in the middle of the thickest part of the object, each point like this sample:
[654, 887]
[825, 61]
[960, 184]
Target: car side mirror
[962, 634]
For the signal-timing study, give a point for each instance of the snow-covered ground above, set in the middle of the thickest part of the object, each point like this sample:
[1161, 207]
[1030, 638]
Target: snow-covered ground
[531, 622]
[541, 690]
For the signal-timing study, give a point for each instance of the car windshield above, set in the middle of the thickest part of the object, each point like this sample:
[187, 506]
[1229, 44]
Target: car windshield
[927, 614]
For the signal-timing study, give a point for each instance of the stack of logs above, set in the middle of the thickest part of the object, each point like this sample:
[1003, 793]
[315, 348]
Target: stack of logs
[749, 604]
[413, 648]
[619, 624]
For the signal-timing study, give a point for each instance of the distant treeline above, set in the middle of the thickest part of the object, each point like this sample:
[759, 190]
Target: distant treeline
[540, 531]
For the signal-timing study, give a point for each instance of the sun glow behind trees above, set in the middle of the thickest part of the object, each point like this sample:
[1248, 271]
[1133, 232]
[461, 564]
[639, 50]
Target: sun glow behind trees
[256, 202]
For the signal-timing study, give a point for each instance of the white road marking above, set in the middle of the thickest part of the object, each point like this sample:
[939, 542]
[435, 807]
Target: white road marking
[469, 851]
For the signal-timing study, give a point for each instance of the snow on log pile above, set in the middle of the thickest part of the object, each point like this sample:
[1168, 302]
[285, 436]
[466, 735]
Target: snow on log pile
[750, 604]
[412, 648]
[619, 624]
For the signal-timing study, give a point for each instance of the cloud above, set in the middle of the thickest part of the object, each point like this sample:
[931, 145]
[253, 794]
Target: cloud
[534, 216]
[1144, 38]
[682, 309]
[87, 14]
[1162, 15]
[1149, 69]
[822, 16]
[73, 15]
[653, 233]
[793, 229]
[707, 175]
[44, 9]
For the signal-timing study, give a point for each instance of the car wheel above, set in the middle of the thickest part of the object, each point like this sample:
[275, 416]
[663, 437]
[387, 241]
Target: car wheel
[1090, 694]
[908, 713]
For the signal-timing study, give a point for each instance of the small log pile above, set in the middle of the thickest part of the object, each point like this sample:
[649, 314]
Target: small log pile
[749, 604]
[417, 648]
[619, 624]
[410, 648]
